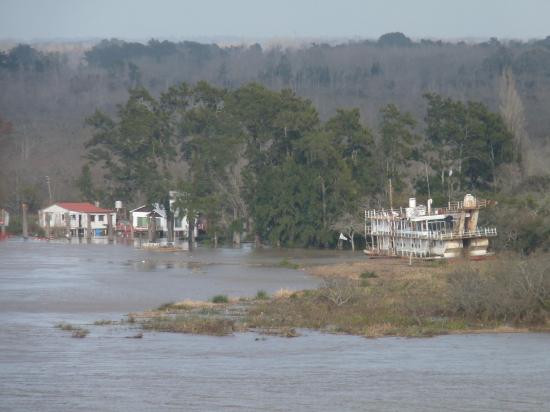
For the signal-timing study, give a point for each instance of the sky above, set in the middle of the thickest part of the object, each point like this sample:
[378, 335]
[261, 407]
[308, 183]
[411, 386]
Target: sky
[31, 20]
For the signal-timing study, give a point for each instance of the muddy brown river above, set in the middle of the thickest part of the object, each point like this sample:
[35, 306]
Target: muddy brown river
[43, 368]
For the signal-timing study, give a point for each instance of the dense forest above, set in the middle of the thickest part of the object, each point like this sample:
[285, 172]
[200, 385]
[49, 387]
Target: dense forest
[283, 144]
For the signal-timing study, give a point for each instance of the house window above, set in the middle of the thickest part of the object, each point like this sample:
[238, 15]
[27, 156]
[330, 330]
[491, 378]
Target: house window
[100, 217]
[62, 217]
[92, 218]
[142, 221]
[73, 217]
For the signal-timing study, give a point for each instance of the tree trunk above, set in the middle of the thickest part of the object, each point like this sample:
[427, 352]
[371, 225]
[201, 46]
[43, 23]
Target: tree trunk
[24, 208]
[237, 231]
[152, 228]
[460, 168]
[236, 239]
[169, 226]
[324, 203]
[493, 168]
[215, 239]
[191, 232]
[47, 218]
[352, 240]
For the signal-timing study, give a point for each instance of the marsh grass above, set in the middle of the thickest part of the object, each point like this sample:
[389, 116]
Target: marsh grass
[387, 308]
[283, 332]
[464, 298]
[286, 264]
[488, 297]
[104, 322]
[195, 324]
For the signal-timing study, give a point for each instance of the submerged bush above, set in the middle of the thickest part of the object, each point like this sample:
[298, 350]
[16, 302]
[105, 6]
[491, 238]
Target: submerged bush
[368, 275]
[80, 333]
[65, 326]
[220, 299]
[262, 295]
[77, 331]
[166, 306]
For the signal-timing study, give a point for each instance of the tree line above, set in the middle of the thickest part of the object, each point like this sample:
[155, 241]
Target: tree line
[261, 162]
[47, 93]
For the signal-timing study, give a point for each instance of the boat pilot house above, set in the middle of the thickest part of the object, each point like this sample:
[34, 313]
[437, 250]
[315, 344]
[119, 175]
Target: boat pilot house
[425, 232]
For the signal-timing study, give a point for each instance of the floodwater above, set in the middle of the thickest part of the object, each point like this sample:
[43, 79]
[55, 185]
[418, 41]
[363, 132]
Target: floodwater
[42, 368]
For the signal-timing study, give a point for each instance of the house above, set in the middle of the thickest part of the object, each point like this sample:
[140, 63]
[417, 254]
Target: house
[426, 232]
[77, 219]
[140, 221]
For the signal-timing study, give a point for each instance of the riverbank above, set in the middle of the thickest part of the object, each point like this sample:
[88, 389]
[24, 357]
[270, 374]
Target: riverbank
[382, 298]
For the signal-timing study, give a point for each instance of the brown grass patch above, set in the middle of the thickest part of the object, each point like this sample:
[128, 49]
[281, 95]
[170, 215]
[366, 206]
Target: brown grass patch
[283, 293]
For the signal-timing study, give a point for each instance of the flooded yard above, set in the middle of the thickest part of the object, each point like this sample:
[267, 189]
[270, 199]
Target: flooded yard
[42, 368]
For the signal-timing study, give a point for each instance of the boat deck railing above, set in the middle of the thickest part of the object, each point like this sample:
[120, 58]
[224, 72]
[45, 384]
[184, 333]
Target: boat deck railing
[434, 235]
[452, 207]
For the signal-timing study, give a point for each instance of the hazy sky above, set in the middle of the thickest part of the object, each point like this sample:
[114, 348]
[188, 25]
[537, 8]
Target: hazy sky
[142, 19]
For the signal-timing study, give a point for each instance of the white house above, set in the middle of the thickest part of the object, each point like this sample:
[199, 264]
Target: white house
[140, 220]
[81, 215]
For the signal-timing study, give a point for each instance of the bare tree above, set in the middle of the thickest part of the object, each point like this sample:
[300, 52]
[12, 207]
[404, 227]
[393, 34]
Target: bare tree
[349, 224]
[339, 291]
[512, 111]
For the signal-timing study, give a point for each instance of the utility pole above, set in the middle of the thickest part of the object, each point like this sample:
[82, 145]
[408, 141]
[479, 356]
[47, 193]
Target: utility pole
[428, 180]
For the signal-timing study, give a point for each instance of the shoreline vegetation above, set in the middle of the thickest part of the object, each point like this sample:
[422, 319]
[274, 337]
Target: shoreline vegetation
[377, 298]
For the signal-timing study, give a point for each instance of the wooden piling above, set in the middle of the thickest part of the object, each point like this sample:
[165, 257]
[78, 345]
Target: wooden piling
[110, 232]
[68, 225]
[89, 227]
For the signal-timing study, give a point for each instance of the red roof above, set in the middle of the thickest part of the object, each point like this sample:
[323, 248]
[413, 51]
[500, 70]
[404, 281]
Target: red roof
[82, 207]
